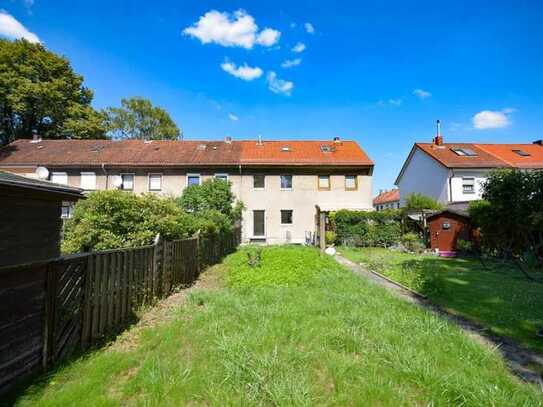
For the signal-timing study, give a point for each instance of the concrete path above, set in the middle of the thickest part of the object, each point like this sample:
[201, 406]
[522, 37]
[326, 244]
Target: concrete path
[524, 363]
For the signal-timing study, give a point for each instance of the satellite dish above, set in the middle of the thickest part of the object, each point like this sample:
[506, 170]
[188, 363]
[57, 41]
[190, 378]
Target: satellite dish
[42, 172]
[117, 181]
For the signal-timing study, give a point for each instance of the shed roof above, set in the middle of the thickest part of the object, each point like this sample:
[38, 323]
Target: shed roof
[62, 191]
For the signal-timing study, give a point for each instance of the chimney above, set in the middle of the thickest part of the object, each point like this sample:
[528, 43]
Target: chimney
[538, 142]
[35, 137]
[228, 140]
[438, 140]
[259, 142]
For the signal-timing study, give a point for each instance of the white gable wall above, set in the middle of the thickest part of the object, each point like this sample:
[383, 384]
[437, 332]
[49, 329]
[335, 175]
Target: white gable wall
[426, 176]
[457, 190]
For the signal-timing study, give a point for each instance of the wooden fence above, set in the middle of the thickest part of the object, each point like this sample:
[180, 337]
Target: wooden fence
[50, 309]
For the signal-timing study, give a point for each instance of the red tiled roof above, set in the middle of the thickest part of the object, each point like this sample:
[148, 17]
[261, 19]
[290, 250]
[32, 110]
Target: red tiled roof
[387, 196]
[488, 155]
[83, 153]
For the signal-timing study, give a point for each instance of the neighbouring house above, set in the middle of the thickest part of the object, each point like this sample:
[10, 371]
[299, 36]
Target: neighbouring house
[30, 225]
[454, 172]
[285, 185]
[387, 200]
[446, 228]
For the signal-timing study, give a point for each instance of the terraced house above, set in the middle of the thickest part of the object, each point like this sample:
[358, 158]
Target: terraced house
[283, 184]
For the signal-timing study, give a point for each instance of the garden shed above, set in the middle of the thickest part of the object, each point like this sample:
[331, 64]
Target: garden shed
[30, 219]
[446, 228]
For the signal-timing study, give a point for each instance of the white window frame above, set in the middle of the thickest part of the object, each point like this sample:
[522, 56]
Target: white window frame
[355, 179]
[291, 217]
[220, 175]
[154, 174]
[133, 181]
[62, 174]
[70, 208]
[194, 174]
[320, 187]
[466, 182]
[291, 182]
[81, 180]
[264, 187]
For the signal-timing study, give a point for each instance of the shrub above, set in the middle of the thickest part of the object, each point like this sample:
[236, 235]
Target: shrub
[412, 242]
[330, 237]
[416, 201]
[360, 228]
[464, 246]
[114, 219]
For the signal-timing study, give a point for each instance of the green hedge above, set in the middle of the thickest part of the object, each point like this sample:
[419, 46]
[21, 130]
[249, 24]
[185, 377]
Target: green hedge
[360, 228]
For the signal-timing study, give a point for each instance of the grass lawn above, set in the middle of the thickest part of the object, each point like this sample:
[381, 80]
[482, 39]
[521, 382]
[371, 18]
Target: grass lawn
[499, 298]
[297, 330]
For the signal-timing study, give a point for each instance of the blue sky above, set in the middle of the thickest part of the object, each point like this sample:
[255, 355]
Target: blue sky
[380, 73]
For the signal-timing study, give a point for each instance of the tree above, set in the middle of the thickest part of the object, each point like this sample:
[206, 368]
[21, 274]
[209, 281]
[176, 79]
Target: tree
[511, 215]
[212, 195]
[138, 119]
[39, 91]
[416, 201]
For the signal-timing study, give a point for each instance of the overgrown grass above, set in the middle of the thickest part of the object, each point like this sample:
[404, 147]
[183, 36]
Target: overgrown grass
[329, 339]
[498, 297]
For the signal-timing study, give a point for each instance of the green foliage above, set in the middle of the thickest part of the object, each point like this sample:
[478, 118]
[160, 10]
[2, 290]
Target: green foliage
[464, 246]
[361, 228]
[40, 91]
[138, 119]
[416, 201]
[213, 195]
[330, 237]
[511, 215]
[277, 266]
[412, 242]
[115, 219]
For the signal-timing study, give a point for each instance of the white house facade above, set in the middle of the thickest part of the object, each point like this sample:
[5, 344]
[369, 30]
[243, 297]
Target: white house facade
[455, 172]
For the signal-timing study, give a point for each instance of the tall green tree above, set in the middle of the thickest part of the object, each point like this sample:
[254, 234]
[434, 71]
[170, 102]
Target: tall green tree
[137, 118]
[39, 91]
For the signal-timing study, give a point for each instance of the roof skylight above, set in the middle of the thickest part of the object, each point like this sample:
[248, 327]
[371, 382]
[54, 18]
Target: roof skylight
[464, 151]
[522, 153]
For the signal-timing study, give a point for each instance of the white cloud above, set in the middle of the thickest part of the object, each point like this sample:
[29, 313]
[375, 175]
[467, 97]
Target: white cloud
[277, 85]
[231, 30]
[233, 117]
[268, 37]
[11, 28]
[395, 102]
[492, 119]
[245, 72]
[289, 63]
[309, 28]
[421, 93]
[299, 47]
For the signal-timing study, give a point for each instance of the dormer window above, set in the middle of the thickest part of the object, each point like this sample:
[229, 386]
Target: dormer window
[464, 151]
[522, 153]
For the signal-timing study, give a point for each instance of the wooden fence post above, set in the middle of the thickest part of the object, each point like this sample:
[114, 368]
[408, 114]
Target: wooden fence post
[86, 318]
[50, 310]
[158, 260]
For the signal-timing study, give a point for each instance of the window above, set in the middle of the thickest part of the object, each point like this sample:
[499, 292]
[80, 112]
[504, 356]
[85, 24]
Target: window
[351, 183]
[193, 179]
[522, 153]
[259, 181]
[324, 182]
[88, 181]
[464, 151]
[224, 177]
[128, 182]
[468, 185]
[59, 178]
[286, 216]
[259, 223]
[155, 182]
[67, 210]
[286, 181]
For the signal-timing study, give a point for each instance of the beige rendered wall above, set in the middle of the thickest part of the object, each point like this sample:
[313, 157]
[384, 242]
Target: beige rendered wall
[302, 199]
